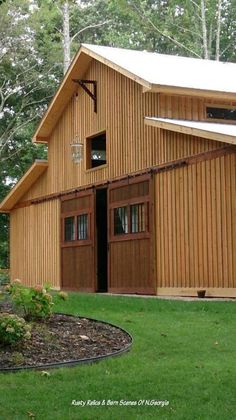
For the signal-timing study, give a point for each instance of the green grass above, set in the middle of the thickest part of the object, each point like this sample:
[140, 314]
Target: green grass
[183, 352]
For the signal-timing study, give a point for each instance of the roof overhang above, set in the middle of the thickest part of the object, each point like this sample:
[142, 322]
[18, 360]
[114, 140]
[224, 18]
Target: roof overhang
[203, 93]
[60, 100]
[214, 131]
[23, 185]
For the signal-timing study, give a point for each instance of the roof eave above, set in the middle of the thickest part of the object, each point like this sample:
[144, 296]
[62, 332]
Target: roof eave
[63, 94]
[204, 93]
[23, 185]
[180, 128]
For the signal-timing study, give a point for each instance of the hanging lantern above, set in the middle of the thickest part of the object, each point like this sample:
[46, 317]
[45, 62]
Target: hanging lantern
[77, 150]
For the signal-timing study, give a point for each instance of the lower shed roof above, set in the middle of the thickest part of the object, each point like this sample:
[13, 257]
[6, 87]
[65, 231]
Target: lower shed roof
[23, 185]
[215, 131]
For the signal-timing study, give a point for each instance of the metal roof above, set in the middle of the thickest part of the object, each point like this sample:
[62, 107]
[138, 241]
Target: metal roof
[170, 70]
[215, 131]
[154, 72]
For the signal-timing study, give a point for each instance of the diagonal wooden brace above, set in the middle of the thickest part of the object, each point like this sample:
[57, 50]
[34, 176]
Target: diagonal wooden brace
[93, 94]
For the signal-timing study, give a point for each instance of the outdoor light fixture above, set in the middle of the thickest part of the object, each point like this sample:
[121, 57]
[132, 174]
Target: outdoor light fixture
[77, 150]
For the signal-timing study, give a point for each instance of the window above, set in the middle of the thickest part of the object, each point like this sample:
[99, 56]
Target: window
[69, 229]
[137, 218]
[96, 151]
[76, 228]
[82, 227]
[120, 220]
[220, 113]
[130, 219]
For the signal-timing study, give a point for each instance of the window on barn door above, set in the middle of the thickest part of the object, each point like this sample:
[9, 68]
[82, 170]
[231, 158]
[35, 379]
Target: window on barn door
[137, 214]
[130, 219]
[76, 228]
[96, 151]
[82, 227]
[121, 220]
[69, 229]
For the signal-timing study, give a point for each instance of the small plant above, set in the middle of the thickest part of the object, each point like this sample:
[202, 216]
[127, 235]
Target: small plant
[33, 302]
[17, 358]
[63, 295]
[13, 329]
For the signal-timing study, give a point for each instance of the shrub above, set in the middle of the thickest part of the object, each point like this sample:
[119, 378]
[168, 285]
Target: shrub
[13, 329]
[33, 302]
[4, 278]
[17, 358]
[63, 295]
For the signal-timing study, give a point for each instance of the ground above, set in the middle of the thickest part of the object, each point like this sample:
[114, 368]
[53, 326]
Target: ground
[63, 338]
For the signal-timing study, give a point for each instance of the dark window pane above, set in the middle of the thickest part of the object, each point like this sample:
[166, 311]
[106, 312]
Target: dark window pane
[120, 221]
[82, 227]
[137, 214]
[221, 113]
[69, 229]
[97, 147]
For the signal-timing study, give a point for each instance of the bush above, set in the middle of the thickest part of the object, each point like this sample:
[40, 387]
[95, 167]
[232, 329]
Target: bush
[63, 295]
[13, 329]
[33, 302]
[4, 279]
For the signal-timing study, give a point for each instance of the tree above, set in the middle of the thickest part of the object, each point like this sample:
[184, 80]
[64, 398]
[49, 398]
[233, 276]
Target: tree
[197, 28]
[26, 85]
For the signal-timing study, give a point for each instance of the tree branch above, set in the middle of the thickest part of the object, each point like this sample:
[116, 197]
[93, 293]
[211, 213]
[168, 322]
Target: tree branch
[90, 27]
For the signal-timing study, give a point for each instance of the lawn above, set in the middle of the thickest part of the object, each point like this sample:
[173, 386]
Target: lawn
[183, 352]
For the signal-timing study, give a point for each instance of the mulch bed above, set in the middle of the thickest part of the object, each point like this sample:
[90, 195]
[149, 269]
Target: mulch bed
[63, 338]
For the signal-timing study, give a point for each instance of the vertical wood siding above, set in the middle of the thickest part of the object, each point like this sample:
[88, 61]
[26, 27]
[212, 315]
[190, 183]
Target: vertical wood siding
[196, 225]
[131, 146]
[35, 244]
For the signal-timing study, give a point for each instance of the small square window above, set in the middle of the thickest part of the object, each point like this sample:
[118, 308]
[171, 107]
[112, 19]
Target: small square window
[69, 230]
[96, 151]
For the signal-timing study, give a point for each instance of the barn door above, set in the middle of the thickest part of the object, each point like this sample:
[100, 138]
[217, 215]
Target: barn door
[130, 237]
[77, 246]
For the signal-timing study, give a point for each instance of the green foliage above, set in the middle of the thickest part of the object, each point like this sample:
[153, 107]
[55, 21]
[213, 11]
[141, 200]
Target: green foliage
[33, 302]
[4, 278]
[13, 329]
[17, 358]
[63, 295]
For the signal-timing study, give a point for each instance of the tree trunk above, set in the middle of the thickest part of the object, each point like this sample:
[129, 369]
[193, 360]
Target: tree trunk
[204, 29]
[66, 35]
[217, 57]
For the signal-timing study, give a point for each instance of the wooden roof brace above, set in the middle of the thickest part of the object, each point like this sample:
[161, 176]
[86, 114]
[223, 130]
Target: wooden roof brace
[93, 95]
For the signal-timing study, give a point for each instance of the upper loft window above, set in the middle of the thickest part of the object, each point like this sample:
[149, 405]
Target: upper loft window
[220, 113]
[96, 151]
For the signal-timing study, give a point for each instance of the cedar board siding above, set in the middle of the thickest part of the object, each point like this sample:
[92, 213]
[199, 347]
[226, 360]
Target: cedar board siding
[196, 228]
[131, 146]
[194, 206]
[35, 244]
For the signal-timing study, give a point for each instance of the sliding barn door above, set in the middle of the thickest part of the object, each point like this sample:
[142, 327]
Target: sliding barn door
[77, 246]
[130, 236]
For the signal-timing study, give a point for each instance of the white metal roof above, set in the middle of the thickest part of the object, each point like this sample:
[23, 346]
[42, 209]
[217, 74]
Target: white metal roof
[215, 131]
[170, 70]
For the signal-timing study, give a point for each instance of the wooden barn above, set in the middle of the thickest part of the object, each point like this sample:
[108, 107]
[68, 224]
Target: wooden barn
[138, 193]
